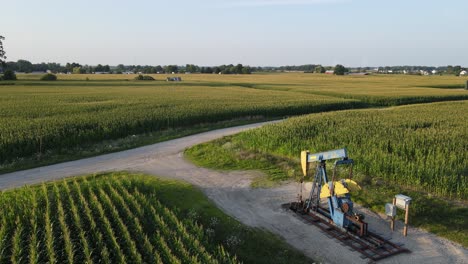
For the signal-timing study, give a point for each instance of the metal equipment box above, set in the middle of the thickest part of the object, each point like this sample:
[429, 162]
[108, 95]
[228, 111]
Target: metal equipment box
[390, 209]
[402, 201]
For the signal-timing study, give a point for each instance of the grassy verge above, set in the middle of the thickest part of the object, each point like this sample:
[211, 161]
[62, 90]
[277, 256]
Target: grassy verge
[225, 154]
[443, 217]
[109, 146]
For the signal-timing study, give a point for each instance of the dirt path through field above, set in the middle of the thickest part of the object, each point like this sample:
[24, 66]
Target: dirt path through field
[254, 207]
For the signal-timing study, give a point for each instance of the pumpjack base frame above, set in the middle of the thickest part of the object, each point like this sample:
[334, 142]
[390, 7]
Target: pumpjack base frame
[371, 246]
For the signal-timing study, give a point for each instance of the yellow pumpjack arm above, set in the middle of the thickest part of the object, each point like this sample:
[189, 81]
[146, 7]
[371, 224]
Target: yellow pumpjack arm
[340, 188]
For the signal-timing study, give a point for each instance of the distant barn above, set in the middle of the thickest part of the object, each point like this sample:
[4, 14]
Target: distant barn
[173, 79]
[330, 72]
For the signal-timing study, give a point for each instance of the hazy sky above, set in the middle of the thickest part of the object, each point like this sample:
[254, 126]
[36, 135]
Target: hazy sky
[252, 32]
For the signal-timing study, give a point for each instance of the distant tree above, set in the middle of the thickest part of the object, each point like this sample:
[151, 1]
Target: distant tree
[78, 70]
[148, 69]
[9, 75]
[206, 70]
[136, 69]
[49, 77]
[191, 68]
[456, 70]
[449, 69]
[159, 69]
[239, 68]
[69, 66]
[340, 69]
[319, 69]
[86, 69]
[24, 66]
[99, 68]
[2, 52]
[171, 69]
[10, 65]
[303, 68]
[144, 78]
[232, 69]
[120, 68]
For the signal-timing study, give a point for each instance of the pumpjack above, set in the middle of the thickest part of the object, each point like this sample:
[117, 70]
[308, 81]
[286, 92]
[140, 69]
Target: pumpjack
[337, 193]
[339, 220]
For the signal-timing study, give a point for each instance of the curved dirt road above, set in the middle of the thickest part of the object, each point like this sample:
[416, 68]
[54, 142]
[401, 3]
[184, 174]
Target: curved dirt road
[254, 207]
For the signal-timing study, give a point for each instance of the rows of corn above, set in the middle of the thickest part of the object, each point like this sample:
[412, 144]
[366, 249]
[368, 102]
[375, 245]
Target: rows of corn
[423, 147]
[36, 119]
[98, 220]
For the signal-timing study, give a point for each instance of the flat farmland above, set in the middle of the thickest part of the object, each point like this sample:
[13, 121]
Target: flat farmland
[40, 118]
[378, 90]
[417, 149]
[84, 115]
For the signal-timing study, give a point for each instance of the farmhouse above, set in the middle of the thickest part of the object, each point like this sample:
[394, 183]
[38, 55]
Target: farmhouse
[173, 79]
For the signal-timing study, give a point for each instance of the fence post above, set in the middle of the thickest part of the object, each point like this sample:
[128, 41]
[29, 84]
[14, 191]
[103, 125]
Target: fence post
[405, 229]
[392, 223]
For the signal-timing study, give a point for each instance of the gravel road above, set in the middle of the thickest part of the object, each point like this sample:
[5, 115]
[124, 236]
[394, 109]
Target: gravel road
[254, 207]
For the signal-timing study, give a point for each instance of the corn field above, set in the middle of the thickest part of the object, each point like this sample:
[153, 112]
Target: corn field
[53, 117]
[98, 220]
[36, 119]
[423, 147]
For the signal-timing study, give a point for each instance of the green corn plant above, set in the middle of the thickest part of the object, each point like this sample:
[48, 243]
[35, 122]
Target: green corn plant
[69, 249]
[78, 223]
[16, 247]
[49, 236]
[105, 225]
[130, 244]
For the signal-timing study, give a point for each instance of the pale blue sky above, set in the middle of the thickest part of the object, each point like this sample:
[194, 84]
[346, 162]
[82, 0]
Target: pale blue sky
[255, 32]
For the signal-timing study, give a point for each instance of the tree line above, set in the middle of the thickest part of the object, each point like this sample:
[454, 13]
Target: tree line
[76, 68]
[188, 68]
